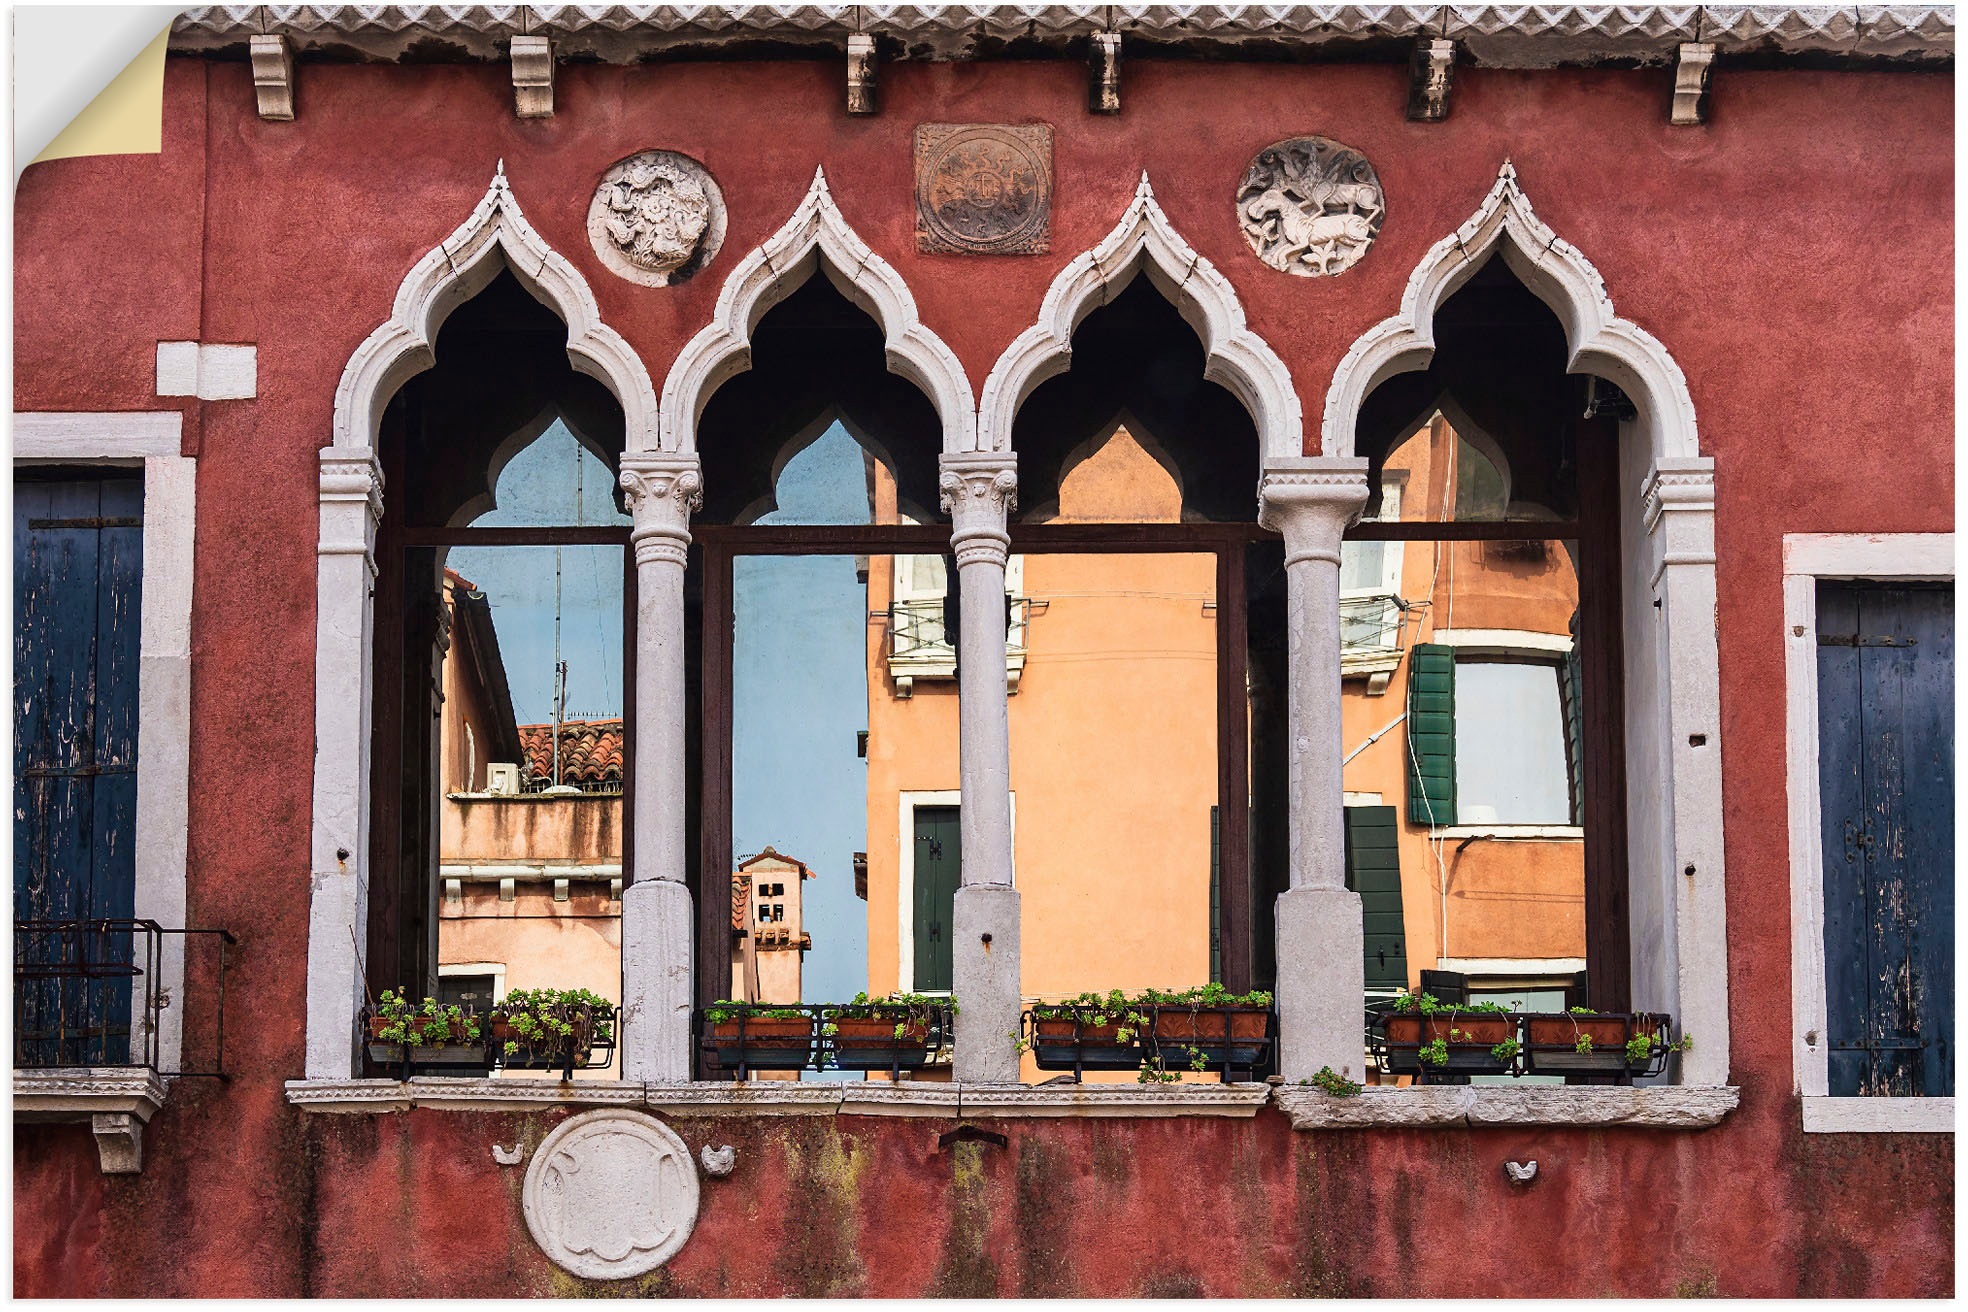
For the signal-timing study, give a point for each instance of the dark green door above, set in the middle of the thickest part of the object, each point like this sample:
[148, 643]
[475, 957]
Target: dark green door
[939, 853]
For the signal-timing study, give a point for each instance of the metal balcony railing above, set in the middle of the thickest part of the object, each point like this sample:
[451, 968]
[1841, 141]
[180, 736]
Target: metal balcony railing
[919, 646]
[90, 993]
[1369, 626]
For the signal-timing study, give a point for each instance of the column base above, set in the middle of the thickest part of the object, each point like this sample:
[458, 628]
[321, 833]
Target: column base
[657, 981]
[985, 982]
[1322, 983]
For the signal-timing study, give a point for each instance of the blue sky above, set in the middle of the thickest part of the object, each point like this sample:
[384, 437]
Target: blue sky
[799, 696]
[541, 485]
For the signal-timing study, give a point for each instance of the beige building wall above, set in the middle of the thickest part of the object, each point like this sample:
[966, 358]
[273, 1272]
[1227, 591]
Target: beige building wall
[1506, 898]
[1113, 751]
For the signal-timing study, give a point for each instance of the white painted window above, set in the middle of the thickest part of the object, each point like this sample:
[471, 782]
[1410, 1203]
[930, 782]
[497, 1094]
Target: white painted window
[1510, 744]
[1809, 558]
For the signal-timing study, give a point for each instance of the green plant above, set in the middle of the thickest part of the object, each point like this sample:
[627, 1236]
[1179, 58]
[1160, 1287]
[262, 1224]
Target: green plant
[1506, 1051]
[725, 1010]
[1334, 1084]
[545, 1020]
[430, 1024]
[1641, 1047]
[1584, 1044]
[1435, 1052]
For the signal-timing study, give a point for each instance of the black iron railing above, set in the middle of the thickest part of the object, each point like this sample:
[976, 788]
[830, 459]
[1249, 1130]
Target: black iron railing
[91, 993]
[823, 1037]
[1449, 1045]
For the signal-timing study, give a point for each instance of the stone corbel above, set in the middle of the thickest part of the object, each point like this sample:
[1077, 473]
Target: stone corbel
[119, 1142]
[1694, 64]
[1430, 73]
[861, 91]
[273, 76]
[1104, 73]
[351, 502]
[533, 76]
[663, 491]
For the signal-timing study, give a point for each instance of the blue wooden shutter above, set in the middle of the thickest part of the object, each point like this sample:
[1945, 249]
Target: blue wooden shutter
[1431, 735]
[1886, 790]
[78, 576]
[1373, 870]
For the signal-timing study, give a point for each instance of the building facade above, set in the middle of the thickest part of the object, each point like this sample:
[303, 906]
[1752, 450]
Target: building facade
[1473, 371]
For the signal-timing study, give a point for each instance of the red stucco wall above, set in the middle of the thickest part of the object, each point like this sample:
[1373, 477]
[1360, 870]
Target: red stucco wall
[1795, 256]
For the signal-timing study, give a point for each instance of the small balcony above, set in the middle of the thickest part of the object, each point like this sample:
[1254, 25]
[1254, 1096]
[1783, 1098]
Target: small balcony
[919, 646]
[92, 1042]
[1370, 639]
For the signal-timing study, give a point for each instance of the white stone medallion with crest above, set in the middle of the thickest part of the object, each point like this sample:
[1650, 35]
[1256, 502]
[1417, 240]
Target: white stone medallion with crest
[611, 1194]
[1310, 207]
[657, 217]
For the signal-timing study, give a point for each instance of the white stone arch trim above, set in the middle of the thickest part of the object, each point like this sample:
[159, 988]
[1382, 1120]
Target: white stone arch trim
[815, 236]
[1144, 241]
[1599, 341]
[495, 236]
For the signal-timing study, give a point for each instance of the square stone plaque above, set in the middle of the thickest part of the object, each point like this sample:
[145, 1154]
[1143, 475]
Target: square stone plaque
[984, 188]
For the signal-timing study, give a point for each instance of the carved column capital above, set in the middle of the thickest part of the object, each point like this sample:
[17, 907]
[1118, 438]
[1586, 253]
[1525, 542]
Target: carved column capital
[1678, 483]
[663, 491]
[351, 502]
[1312, 500]
[980, 490]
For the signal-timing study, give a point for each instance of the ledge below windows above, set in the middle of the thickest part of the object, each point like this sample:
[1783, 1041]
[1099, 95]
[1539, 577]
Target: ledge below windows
[1661, 1107]
[781, 1098]
[1664, 1107]
[115, 1102]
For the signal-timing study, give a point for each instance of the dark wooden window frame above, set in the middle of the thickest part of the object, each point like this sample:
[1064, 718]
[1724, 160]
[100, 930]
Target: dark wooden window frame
[1601, 639]
[394, 542]
[721, 544]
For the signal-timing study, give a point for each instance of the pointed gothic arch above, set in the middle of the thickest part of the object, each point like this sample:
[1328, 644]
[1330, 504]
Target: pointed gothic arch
[1145, 242]
[816, 236]
[1557, 273]
[496, 236]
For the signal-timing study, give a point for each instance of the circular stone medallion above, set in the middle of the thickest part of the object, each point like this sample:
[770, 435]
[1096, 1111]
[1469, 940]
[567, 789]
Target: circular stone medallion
[983, 188]
[611, 1194]
[1310, 207]
[657, 217]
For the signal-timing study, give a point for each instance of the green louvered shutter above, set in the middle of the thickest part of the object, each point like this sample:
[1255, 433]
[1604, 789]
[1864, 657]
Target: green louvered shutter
[1431, 735]
[1373, 870]
[1572, 685]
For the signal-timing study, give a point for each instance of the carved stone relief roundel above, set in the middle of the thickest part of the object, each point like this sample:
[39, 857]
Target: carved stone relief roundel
[611, 1194]
[984, 188]
[657, 217]
[1310, 207]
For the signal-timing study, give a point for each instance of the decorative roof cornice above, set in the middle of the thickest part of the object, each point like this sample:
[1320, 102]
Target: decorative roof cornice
[1506, 36]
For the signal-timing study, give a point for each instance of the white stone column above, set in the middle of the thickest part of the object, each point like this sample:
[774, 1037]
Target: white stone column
[658, 927]
[979, 491]
[1321, 993]
[1678, 511]
[338, 908]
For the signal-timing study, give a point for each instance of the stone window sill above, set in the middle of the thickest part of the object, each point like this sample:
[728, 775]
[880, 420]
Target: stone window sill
[782, 1098]
[1665, 1107]
[1825, 1115]
[1661, 1107]
[115, 1102]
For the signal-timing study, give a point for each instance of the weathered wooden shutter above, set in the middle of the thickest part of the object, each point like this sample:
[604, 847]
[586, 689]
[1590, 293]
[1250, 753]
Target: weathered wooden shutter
[938, 857]
[1886, 780]
[78, 585]
[1431, 735]
[1373, 870]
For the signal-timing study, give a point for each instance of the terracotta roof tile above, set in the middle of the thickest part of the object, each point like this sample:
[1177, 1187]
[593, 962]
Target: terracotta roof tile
[590, 750]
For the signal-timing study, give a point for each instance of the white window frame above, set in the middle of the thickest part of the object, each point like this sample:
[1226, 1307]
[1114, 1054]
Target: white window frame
[151, 441]
[905, 968]
[1809, 558]
[1530, 647]
[496, 969]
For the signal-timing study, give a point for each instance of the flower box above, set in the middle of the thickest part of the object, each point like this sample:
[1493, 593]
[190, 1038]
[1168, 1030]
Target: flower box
[763, 1043]
[1572, 1042]
[880, 1042]
[1468, 1043]
[1219, 1035]
[1075, 1042]
[452, 1056]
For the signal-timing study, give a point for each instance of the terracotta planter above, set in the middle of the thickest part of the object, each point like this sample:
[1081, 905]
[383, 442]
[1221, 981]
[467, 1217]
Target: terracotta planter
[868, 1043]
[549, 1054]
[766, 1045]
[1236, 1036]
[450, 1058]
[1551, 1042]
[1063, 1044]
[1467, 1037]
